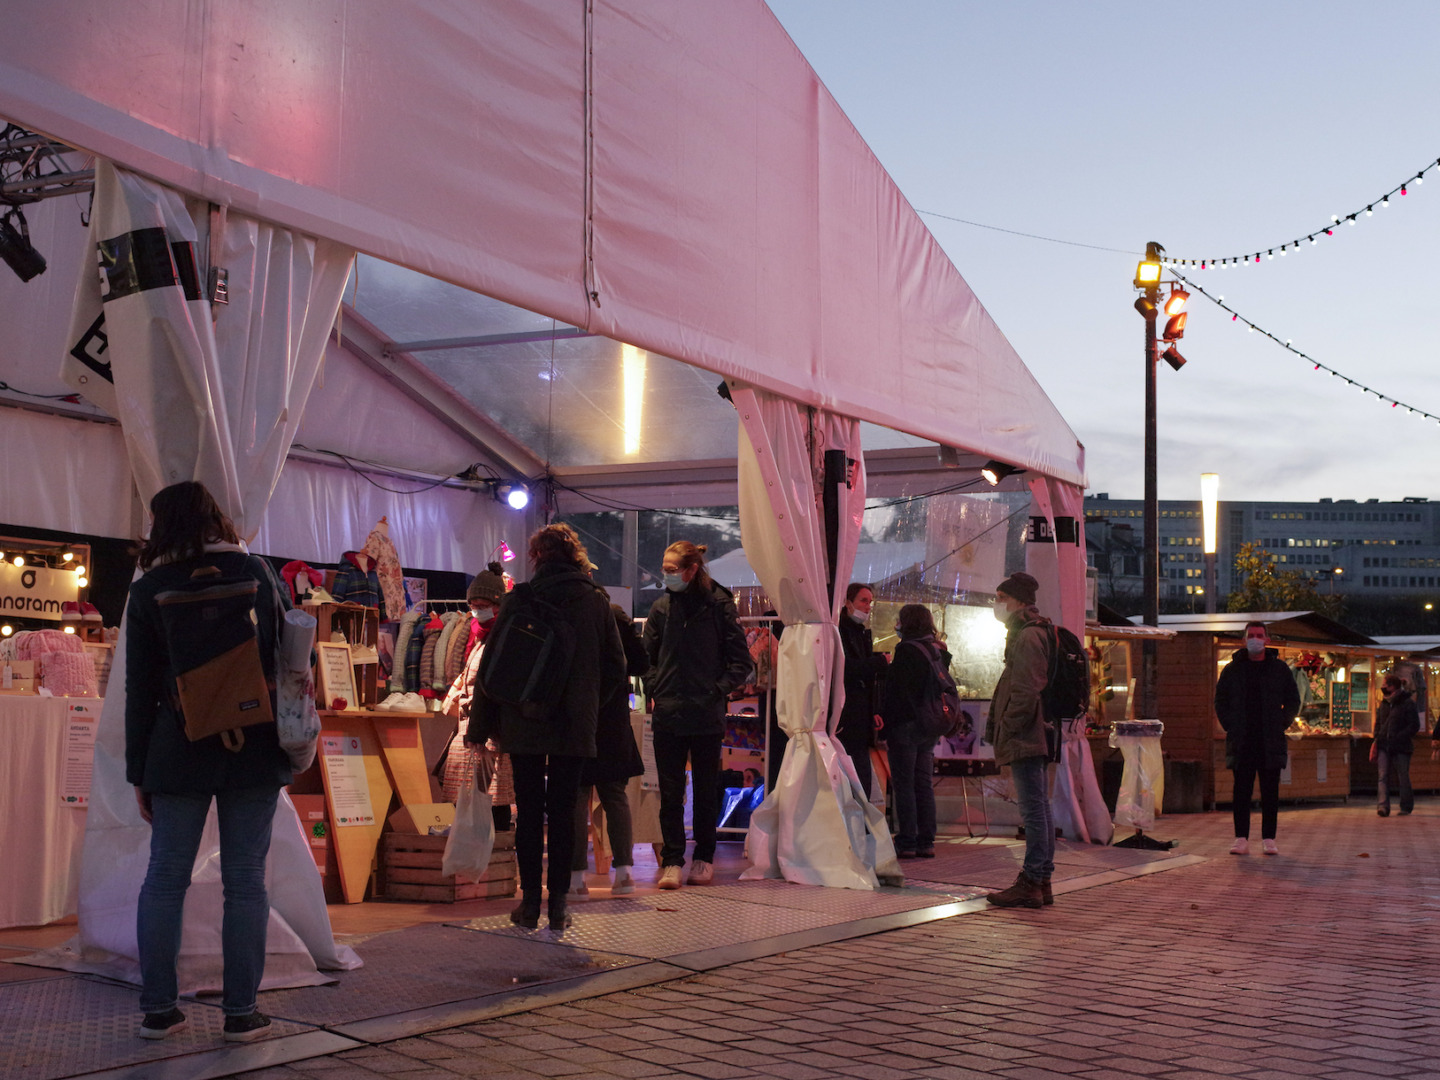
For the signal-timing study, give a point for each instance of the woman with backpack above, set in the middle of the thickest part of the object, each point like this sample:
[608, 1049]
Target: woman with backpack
[698, 656]
[176, 779]
[549, 742]
[911, 683]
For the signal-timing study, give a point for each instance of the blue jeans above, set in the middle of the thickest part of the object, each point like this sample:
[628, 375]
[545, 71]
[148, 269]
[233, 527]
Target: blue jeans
[912, 789]
[1384, 762]
[245, 817]
[1032, 793]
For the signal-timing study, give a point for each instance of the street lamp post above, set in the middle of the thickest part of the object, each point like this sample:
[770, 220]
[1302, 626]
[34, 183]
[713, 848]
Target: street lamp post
[1147, 280]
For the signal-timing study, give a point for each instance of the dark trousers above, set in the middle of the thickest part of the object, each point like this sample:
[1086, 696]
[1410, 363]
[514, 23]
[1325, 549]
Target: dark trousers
[1385, 763]
[912, 790]
[703, 752]
[1245, 774]
[545, 790]
[857, 745]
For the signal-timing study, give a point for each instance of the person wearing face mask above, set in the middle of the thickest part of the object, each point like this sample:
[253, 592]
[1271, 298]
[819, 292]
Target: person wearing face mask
[1397, 721]
[863, 669]
[462, 760]
[1016, 728]
[1256, 700]
[907, 684]
[697, 657]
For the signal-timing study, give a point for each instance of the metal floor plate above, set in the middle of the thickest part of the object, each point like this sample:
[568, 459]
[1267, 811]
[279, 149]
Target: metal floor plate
[432, 965]
[60, 1027]
[844, 904]
[669, 924]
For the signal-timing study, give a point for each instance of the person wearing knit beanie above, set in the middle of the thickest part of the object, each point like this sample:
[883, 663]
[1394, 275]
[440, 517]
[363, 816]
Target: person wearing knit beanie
[487, 586]
[1019, 586]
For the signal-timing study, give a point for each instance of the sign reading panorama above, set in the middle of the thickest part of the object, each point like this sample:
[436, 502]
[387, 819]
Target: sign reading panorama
[34, 592]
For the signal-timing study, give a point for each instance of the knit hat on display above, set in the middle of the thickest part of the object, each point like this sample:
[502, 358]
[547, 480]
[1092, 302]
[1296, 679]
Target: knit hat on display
[489, 585]
[1019, 586]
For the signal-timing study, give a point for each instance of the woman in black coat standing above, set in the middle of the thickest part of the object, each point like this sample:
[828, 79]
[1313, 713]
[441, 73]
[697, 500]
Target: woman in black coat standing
[176, 779]
[908, 684]
[697, 657]
[1397, 722]
[863, 670]
[547, 753]
[616, 760]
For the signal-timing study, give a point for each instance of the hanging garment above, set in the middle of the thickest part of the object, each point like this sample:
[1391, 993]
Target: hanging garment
[356, 581]
[409, 629]
[381, 548]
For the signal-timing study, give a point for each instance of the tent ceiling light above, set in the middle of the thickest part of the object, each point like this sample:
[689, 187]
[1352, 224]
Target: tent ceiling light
[515, 496]
[995, 471]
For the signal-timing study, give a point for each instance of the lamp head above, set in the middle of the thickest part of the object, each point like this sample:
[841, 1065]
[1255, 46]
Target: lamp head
[995, 471]
[1176, 304]
[1172, 357]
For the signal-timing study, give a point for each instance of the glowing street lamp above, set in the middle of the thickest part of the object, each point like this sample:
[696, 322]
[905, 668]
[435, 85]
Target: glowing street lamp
[1209, 506]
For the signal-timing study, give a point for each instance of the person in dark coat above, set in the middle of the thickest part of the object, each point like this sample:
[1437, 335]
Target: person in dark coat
[697, 657]
[548, 753]
[616, 760]
[1256, 700]
[863, 670]
[176, 780]
[1397, 721]
[912, 754]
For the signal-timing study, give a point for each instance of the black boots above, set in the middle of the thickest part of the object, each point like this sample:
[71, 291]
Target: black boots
[560, 918]
[1026, 893]
[527, 912]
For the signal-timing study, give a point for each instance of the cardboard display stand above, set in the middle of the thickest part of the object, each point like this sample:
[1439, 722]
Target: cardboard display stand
[399, 739]
[351, 736]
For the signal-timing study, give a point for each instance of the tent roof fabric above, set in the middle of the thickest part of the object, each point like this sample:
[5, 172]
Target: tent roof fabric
[672, 176]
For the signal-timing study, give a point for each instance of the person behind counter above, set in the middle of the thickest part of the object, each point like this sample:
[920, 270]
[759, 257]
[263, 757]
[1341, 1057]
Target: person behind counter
[1256, 700]
[863, 670]
[1397, 721]
[176, 780]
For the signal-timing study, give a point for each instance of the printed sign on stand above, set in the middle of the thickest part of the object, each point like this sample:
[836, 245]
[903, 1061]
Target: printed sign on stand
[650, 780]
[81, 720]
[344, 764]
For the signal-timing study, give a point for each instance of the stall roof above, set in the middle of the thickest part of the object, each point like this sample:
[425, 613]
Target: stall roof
[1309, 627]
[1108, 632]
[549, 179]
[1423, 645]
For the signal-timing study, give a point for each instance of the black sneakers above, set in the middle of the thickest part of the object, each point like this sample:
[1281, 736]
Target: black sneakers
[246, 1028]
[161, 1025]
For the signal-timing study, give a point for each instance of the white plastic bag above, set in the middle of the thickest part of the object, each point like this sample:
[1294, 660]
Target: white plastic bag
[296, 720]
[472, 837]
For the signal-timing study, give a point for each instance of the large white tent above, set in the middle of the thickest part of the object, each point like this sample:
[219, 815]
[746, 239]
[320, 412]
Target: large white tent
[547, 196]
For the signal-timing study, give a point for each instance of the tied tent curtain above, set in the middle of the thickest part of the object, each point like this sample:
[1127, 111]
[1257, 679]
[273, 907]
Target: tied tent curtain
[215, 398]
[816, 827]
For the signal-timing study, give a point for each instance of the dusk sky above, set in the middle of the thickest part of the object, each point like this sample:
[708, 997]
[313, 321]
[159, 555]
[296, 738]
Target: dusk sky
[1217, 129]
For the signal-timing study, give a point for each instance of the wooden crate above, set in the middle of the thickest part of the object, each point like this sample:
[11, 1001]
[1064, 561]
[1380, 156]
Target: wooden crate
[410, 870]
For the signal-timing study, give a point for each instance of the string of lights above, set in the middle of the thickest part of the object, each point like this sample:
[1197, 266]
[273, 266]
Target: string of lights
[1336, 220]
[1288, 346]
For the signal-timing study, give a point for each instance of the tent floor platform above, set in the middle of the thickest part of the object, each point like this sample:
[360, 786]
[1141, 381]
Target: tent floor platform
[435, 966]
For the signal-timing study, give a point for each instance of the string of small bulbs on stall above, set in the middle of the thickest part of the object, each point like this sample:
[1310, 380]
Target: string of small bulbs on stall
[1288, 346]
[1336, 220]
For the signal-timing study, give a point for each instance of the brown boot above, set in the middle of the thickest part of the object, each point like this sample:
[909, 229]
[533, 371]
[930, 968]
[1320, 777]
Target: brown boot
[1025, 893]
[1047, 894]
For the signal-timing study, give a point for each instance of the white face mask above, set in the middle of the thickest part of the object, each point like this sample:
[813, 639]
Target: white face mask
[861, 617]
[1002, 611]
[1255, 646]
[483, 614]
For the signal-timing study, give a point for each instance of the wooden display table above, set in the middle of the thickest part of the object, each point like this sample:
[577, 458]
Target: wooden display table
[1319, 769]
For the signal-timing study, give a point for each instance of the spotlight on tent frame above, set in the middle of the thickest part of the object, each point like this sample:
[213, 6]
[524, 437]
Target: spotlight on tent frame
[1172, 357]
[16, 249]
[515, 496]
[995, 471]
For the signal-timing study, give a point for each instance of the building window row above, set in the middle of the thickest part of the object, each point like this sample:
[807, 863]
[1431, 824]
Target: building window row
[1334, 515]
[1398, 581]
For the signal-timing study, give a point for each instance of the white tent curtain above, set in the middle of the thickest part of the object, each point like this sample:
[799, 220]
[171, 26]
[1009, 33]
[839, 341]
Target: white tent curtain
[215, 402]
[816, 827]
[1075, 798]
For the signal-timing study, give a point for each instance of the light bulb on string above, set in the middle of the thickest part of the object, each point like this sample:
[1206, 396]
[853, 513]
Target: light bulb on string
[1385, 201]
[1369, 211]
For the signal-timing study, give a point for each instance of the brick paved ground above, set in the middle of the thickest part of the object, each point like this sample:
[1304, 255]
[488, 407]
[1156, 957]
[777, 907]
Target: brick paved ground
[1318, 964]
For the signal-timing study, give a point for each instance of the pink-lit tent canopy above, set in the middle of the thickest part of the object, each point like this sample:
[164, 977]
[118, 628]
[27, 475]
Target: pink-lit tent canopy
[559, 176]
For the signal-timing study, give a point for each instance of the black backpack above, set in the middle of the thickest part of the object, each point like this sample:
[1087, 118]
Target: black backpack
[527, 656]
[1067, 689]
[937, 715]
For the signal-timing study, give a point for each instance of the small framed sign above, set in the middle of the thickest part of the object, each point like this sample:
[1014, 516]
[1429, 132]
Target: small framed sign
[337, 675]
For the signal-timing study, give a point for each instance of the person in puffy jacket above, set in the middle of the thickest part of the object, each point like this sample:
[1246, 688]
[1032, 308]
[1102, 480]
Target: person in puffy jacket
[698, 657]
[1256, 700]
[908, 683]
[548, 753]
[176, 780]
[1397, 721]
